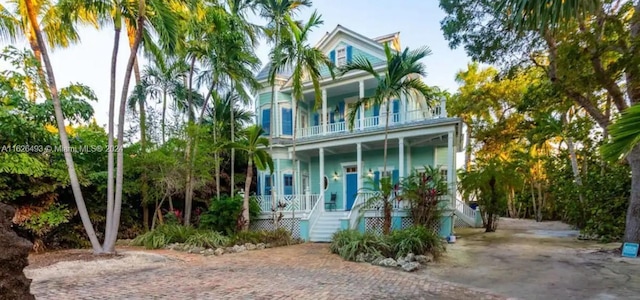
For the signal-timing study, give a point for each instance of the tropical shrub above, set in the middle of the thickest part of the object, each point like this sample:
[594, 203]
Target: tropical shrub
[278, 237]
[422, 190]
[207, 239]
[418, 240]
[223, 214]
[163, 235]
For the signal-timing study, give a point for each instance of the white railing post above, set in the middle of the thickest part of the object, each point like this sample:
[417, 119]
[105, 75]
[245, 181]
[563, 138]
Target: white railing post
[307, 199]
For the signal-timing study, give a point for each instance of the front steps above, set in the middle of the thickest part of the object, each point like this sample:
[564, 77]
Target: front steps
[325, 226]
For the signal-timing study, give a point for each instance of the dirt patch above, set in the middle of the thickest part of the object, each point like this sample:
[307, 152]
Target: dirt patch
[40, 260]
[531, 260]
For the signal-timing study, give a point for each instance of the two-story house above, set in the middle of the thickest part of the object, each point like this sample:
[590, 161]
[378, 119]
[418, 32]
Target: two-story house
[333, 160]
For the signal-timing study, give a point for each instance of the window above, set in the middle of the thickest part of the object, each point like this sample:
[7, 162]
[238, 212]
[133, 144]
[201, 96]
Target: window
[351, 169]
[288, 180]
[326, 183]
[443, 173]
[266, 120]
[341, 57]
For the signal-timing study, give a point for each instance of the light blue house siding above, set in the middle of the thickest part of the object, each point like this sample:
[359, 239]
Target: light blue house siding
[354, 52]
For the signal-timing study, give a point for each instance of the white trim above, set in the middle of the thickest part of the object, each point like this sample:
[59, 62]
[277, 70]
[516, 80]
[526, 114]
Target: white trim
[349, 164]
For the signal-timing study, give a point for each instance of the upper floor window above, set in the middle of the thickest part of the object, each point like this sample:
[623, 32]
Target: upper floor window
[341, 57]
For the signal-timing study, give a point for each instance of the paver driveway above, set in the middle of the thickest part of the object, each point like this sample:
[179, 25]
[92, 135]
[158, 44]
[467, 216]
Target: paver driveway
[304, 271]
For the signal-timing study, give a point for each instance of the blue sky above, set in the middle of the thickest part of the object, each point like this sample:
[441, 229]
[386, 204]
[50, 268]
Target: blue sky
[417, 20]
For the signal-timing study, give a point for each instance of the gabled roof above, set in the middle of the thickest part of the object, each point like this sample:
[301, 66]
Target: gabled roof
[328, 36]
[264, 73]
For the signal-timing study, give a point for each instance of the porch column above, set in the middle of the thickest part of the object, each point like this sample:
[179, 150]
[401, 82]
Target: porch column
[451, 166]
[324, 112]
[361, 109]
[359, 165]
[278, 175]
[401, 158]
[321, 167]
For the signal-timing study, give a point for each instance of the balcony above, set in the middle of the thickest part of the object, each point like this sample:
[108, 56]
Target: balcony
[373, 123]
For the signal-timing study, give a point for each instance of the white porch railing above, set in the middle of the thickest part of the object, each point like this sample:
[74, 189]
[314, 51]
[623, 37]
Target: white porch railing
[298, 203]
[315, 212]
[374, 122]
[467, 212]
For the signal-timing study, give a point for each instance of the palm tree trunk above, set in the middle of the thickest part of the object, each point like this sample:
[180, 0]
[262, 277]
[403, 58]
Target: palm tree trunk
[233, 150]
[247, 187]
[273, 121]
[387, 204]
[164, 113]
[110, 130]
[64, 140]
[110, 244]
[189, 158]
[632, 225]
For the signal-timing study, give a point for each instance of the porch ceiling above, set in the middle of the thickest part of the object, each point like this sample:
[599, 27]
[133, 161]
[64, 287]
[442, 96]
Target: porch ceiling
[425, 140]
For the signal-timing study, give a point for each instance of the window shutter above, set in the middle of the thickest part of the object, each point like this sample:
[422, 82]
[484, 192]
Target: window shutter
[332, 56]
[396, 106]
[287, 128]
[267, 185]
[441, 157]
[258, 185]
[316, 120]
[376, 110]
[342, 112]
[396, 176]
[349, 53]
[376, 180]
[266, 120]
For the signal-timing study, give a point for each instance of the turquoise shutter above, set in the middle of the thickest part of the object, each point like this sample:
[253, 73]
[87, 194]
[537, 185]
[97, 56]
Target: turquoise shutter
[376, 180]
[267, 185]
[396, 176]
[342, 112]
[376, 110]
[349, 53]
[266, 120]
[332, 56]
[316, 120]
[287, 127]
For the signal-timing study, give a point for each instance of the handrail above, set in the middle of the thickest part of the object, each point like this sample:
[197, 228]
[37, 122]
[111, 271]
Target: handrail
[466, 210]
[314, 215]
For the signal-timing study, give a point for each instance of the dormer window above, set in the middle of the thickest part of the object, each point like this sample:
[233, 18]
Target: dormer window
[341, 56]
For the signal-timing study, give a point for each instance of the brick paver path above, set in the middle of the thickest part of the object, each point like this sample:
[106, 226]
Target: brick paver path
[306, 271]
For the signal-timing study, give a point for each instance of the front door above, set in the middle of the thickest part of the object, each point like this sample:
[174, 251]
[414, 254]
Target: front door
[351, 190]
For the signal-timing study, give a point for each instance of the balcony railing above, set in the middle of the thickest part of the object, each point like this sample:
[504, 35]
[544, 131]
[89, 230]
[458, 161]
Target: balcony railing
[372, 122]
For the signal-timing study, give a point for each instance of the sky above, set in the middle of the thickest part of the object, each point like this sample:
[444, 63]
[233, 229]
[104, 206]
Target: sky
[418, 22]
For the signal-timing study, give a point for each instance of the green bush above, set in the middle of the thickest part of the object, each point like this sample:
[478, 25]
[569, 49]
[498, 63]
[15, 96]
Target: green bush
[223, 214]
[163, 235]
[349, 243]
[207, 239]
[417, 240]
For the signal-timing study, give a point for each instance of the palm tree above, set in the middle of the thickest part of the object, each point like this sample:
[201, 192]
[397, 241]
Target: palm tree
[31, 11]
[401, 78]
[306, 62]
[625, 134]
[254, 144]
[277, 29]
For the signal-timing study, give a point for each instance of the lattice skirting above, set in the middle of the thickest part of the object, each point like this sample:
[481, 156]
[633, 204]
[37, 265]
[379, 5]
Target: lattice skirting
[460, 223]
[375, 224]
[267, 224]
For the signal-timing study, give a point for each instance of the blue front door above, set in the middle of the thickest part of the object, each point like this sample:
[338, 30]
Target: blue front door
[351, 189]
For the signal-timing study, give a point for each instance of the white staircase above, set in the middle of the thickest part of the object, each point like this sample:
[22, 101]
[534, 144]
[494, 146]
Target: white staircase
[325, 226]
[466, 216]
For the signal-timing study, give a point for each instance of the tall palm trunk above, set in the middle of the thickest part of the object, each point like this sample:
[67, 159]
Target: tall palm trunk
[273, 121]
[144, 188]
[164, 113]
[632, 225]
[233, 150]
[64, 140]
[247, 187]
[110, 244]
[189, 158]
[110, 125]
[387, 201]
